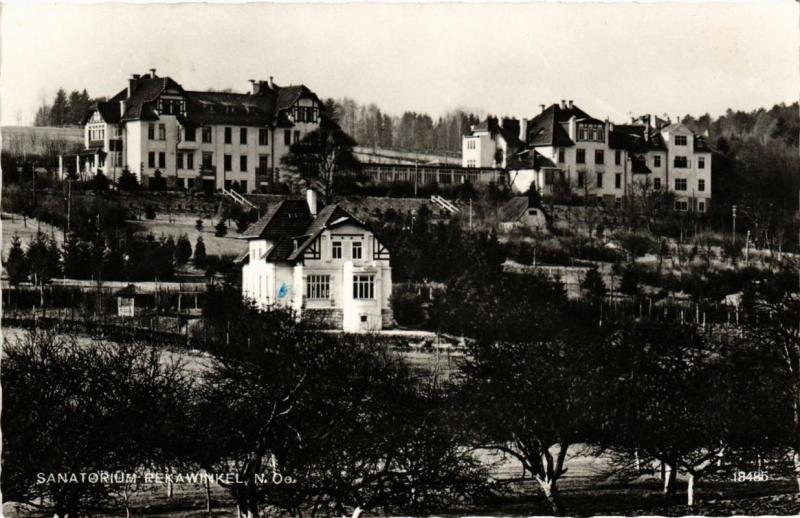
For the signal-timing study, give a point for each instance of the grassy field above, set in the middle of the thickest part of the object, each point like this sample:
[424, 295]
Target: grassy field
[185, 224]
[13, 224]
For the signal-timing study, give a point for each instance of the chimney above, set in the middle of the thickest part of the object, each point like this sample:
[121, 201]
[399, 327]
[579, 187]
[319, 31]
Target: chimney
[271, 84]
[153, 73]
[523, 130]
[563, 104]
[253, 89]
[132, 82]
[121, 108]
[311, 199]
[541, 106]
[570, 104]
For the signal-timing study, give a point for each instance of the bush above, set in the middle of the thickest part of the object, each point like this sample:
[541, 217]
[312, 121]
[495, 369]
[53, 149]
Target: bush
[149, 211]
[594, 284]
[127, 181]
[407, 306]
[199, 252]
[183, 249]
[220, 229]
[198, 224]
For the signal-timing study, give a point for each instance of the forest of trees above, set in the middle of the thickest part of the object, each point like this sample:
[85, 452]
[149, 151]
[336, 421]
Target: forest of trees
[410, 131]
[781, 123]
[65, 110]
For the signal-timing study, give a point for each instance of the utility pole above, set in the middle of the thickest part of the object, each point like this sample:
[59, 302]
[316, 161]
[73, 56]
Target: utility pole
[733, 215]
[416, 173]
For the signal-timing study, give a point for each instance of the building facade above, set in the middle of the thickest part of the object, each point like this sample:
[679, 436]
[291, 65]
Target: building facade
[192, 139]
[565, 148]
[325, 265]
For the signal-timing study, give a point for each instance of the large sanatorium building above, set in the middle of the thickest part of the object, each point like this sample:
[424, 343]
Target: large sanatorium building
[595, 158]
[193, 139]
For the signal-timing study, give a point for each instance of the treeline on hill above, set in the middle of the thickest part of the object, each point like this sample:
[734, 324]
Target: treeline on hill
[345, 424]
[410, 131]
[65, 110]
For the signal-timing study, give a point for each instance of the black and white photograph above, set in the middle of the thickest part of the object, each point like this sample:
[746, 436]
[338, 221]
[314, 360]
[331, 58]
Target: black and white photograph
[440, 259]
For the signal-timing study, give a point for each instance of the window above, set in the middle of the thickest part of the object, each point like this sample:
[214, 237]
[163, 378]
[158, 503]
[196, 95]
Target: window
[305, 113]
[618, 181]
[318, 287]
[296, 137]
[356, 250]
[287, 137]
[617, 203]
[701, 206]
[533, 212]
[207, 134]
[580, 156]
[208, 159]
[680, 140]
[179, 160]
[471, 143]
[263, 164]
[228, 135]
[162, 132]
[599, 180]
[681, 162]
[548, 177]
[680, 184]
[581, 133]
[226, 162]
[599, 156]
[336, 250]
[151, 159]
[363, 286]
[189, 134]
[162, 159]
[701, 162]
[471, 163]
[617, 157]
[580, 178]
[243, 163]
[151, 131]
[657, 161]
[263, 137]
[560, 156]
[189, 161]
[243, 136]
[681, 205]
[701, 185]
[657, 183]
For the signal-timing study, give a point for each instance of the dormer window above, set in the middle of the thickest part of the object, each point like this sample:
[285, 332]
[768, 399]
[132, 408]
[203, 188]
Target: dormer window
[680, 140]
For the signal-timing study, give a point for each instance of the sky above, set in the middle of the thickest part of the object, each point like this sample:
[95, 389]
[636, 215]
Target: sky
[613, 60]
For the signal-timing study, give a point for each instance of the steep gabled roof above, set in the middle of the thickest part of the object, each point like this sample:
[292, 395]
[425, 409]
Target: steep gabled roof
[546, 128]
[514, 208]
[328, 217]
[517, 207]
[109, 111]
[139, 105]
[509, 134]
[631, 137]
[268, 106]
[229, 108]
[288, 217]
[529, 159]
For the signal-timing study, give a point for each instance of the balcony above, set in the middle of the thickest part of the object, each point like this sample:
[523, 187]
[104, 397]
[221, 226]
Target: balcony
[188, 144]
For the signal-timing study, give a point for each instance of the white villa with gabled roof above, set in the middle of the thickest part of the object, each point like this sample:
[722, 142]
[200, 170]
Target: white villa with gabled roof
[323, 264]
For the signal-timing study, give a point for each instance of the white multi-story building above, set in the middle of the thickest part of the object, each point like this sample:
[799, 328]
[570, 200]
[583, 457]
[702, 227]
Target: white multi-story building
[195, 139]
[326, 265]
[564, 146]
